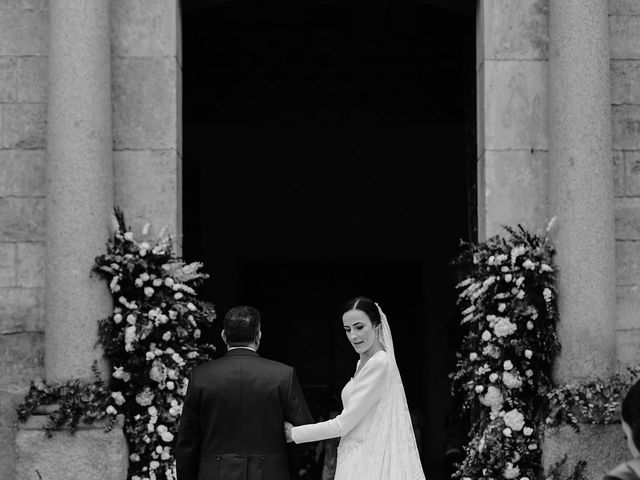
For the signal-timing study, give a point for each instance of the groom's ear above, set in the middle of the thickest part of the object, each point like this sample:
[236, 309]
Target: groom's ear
[224, 337]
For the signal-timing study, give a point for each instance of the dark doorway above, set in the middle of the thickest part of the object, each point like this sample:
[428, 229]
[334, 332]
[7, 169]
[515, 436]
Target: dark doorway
[329, 152]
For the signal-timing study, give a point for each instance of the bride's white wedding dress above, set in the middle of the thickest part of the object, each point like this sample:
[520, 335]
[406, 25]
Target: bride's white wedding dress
[377, 439]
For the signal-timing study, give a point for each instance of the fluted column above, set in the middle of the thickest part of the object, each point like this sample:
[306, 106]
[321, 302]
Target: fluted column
[80, 183]
[581, 184]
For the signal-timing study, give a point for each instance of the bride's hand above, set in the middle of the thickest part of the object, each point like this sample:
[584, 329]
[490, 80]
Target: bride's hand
[287, 431]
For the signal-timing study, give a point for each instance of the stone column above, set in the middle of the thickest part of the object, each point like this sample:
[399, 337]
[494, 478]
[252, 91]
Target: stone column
[581, 186]
[80, 183]
[79, 208]
[581, 191]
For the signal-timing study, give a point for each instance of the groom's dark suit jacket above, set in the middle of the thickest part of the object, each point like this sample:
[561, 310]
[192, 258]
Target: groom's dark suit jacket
[232, 424]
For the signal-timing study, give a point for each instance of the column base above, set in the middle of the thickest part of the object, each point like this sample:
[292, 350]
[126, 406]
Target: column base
[89, 453]
[603, 447]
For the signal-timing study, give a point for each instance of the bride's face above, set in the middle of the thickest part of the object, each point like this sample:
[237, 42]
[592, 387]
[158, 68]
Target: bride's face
[359, 329]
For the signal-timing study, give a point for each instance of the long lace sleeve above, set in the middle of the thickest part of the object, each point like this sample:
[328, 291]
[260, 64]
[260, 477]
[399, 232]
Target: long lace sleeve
[367, 391]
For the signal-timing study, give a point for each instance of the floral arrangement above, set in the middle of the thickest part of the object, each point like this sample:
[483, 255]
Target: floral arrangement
[68, 403]
[508, 301]
[152, 339]
[594, 402]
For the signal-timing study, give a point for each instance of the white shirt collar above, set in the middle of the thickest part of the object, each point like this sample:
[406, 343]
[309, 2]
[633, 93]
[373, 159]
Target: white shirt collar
[246, 348]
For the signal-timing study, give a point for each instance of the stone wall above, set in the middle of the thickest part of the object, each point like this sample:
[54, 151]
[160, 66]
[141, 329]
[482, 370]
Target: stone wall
[624, 16]
[23, 79]
[147, 164]
[147, 73]
[513, 145]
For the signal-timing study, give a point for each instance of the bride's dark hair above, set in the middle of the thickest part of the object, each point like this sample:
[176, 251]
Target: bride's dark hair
[365, 305]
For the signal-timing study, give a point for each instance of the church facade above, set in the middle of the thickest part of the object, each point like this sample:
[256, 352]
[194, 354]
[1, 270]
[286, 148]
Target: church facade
[91, 116]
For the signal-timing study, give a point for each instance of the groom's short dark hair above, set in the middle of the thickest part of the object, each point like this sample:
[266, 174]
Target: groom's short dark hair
[241, 325]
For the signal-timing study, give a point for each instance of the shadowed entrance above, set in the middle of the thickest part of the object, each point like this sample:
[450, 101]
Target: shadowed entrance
[326, 155]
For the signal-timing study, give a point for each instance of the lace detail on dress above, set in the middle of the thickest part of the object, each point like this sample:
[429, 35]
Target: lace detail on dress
[348, 447]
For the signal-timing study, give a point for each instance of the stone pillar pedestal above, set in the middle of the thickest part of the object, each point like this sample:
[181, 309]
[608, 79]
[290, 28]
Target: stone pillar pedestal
[79, 209]
[89, 453]
[581, 191]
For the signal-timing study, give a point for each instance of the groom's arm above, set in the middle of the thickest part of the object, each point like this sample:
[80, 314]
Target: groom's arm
[189, 436]
[297, 411]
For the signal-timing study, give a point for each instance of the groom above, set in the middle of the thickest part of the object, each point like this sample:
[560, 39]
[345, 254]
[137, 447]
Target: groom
[235, 408]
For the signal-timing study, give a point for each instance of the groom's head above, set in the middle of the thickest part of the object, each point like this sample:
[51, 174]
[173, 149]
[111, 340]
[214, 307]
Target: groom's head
[242, 327]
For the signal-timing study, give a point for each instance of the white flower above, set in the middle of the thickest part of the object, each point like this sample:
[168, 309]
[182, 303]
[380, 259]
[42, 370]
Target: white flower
[128, 236]
[157, 282]
[502, 307]
[145, 246]
[117, 318]
[532, 446]
[197, 333]
[148, 291]
[158, 371]
[166, 336]
[546, 293]
[529, 325]
[145, 397]
[545, 268]
[170, 385]
[492, 399]
[119, 373]
[178, 296]
[479, 389]
[144, 276]
[153, 411]
[150, 427]
[154, 464]
[168, 281]
[508, 277]
[491, 351]
[129, 337]
[529, 373]
[134, 457]
[511, 471]
[527, 431]
[150, 356]
[506, 432]
[528, 353]
[528, 264]
[118, 397]
[520, 294]
[131, 319]
[493, 377]
[191, 306]
[472, 356]
[110, 410]
[516, 252]
[166, 454]
[486, 336]
[514, 420]
[173, 314]
[511, 381]
[507, 365]
[519, 281]
[504, 327]
[138, 282]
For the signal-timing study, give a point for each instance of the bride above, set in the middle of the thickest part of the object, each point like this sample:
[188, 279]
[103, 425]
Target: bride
[377, 439]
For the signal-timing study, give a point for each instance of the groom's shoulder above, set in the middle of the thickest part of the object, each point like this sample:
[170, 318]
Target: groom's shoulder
[227, 362]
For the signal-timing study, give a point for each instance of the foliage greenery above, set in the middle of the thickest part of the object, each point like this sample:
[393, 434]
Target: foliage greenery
[73, 402]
